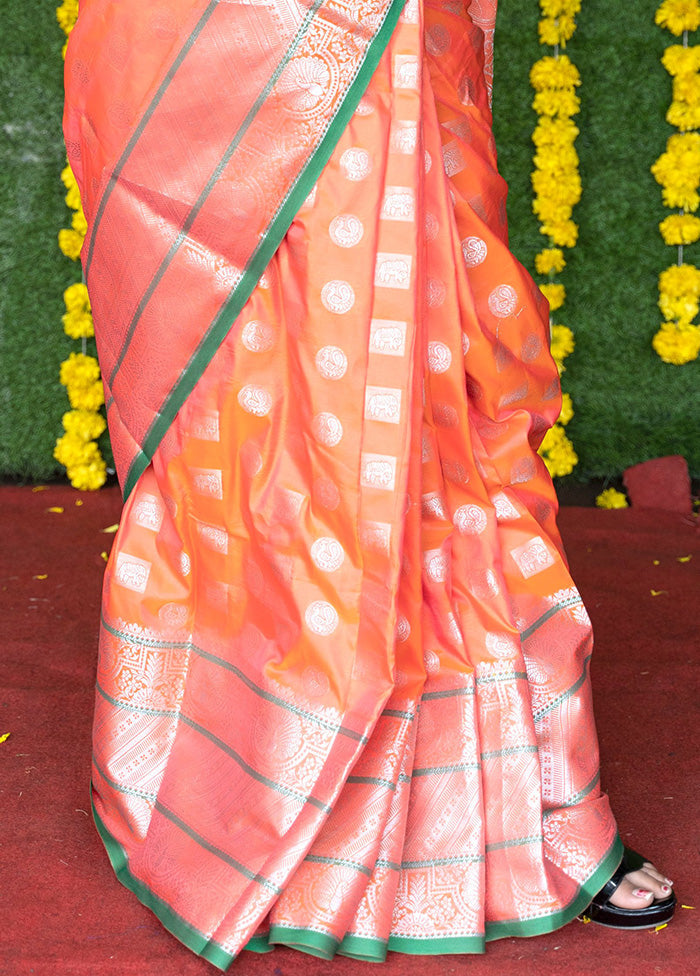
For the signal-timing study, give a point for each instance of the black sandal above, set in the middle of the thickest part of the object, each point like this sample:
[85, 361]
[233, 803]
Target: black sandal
[601, 911]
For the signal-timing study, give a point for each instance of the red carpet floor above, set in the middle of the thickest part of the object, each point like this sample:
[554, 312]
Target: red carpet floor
[62, 911]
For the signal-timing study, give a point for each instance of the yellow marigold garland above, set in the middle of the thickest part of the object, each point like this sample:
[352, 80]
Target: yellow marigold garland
[557, 190]
[77, 449]
[677, 170]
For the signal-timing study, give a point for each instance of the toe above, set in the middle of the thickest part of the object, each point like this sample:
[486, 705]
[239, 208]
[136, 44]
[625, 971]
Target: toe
[640, 888]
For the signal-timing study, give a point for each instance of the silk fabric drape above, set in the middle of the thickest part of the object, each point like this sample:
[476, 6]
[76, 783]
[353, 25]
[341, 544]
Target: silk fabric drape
[343, 698]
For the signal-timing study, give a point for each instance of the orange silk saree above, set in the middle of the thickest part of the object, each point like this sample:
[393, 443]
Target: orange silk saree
[343, 696]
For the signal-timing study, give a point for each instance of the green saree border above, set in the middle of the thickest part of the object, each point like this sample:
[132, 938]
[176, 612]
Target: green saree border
[262, 256]
[325, 946]
[174, 923]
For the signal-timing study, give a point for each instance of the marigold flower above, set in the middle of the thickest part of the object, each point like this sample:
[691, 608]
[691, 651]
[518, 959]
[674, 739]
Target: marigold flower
[678, 16]
[76, 297]
[677, 344]
[68, 177]
[561, 343]
[71, 450]
[554, 132]
[67, 14]
[563, 104]
[550, 260]
[555, 295]
[79, 370]
[72, 198]
[88, 477]
[567, 409]
[551, 72]
[679, 60]
[683, 116]
[679, 229]
[564, 233]
[686, 88]
[78, 325]
[90, 397]
[556, 8]
[79, 223]
[70, 242]
[558, 452]
[612, 498]
[85, 424]
[556, 30]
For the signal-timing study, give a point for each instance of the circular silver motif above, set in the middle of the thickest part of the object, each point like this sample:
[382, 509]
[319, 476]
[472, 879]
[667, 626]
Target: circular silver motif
[337, 296]
[258, 336]
[531, 348]
[185, 564]
[439, 357]
[327, 554]
[455, 471]
[474, 251]
[470, 519]
[327, 429]
[346, 230]
[437, 40]
[356, 164]
[436, 292]
[431, 662]
[484, 583]
[445, 415]
[436, 567]
[331, 362]
[256, 400]
[503, 301]
[326, 494]
[321, 618]
[403, 629]
[316, 683]
[432, 227]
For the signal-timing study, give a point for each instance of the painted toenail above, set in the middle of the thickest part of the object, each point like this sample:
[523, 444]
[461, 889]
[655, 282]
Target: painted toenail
[665, 888]
[641, 892]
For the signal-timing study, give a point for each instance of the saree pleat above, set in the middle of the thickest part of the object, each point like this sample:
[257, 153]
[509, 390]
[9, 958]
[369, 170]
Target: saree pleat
[343, 699]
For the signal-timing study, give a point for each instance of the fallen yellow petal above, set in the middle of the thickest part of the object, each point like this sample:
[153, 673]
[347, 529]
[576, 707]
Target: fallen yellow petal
[56, 508]
[658, 592]
[659, 927]
[40, 488]
[657, 562]
[79, 502]
[684, 559]
[111, 529]
[41, 576]
[690, 907]
[104, 556]
[5, 737]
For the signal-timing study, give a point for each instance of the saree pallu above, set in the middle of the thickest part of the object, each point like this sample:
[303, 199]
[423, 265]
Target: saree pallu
[343, 696]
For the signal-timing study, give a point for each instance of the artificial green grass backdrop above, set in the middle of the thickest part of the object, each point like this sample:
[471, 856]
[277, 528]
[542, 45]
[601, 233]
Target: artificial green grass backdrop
[629, 405]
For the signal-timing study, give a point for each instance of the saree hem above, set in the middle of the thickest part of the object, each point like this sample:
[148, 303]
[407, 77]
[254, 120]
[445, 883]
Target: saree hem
[324, 946]
[169, 919]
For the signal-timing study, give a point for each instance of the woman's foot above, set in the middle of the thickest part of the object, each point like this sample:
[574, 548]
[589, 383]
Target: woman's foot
[641, 888]
[637, 896]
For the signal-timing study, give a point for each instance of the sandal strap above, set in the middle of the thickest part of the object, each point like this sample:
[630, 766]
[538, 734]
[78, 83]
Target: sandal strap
[631, 861]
